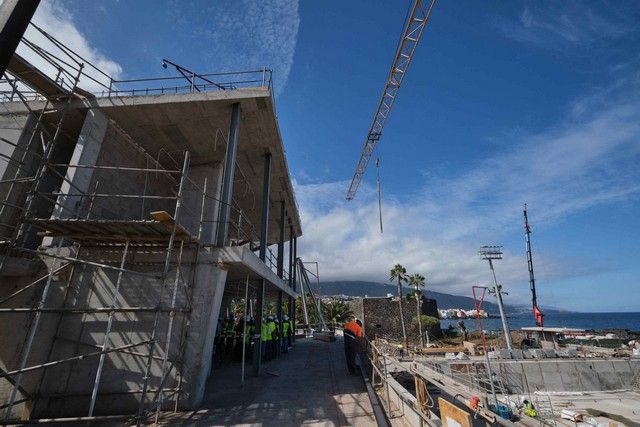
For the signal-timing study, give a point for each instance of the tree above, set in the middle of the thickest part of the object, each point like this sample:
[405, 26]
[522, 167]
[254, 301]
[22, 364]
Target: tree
[336, 313]
[399, 273]
[417, 281]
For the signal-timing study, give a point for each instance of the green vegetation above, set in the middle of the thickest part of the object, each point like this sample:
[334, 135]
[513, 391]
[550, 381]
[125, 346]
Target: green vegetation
[336, 313]
[427, 321]
[418, 281]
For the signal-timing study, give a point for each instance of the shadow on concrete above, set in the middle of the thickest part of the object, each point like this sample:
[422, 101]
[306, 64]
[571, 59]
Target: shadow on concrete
[310, 385]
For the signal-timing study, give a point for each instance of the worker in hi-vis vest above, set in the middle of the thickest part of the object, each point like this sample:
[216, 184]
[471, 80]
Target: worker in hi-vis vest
[265, 340]
[286, 331]
[273, 338]
[352, 336]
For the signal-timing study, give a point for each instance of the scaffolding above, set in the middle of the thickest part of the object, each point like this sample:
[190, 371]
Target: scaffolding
[99, 252]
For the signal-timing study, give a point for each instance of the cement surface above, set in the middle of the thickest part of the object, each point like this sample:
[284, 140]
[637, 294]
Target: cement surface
[309, 386]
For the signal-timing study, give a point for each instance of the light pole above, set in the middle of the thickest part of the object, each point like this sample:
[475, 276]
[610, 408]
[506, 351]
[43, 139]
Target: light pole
[491, 253]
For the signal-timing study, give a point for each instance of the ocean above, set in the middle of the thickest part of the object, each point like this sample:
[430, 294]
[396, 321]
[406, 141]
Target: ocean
[569, 320]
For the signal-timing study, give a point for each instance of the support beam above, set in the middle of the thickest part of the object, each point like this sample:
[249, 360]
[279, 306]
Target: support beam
[280, 269]
[14, 20]
[266, 190]
[229, 172]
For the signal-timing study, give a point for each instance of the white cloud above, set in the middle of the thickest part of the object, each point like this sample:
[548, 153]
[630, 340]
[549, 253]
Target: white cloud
[246, 34]
[573, 22]
[591, 158]
[56, 20]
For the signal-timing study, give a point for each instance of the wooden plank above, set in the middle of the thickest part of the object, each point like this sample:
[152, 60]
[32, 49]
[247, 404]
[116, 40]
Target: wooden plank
[452, 416]
[162, 216]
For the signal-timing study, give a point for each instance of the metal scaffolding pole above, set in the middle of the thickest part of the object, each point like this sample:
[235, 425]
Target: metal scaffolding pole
[26, 350]
[105, 342]
[170, 327]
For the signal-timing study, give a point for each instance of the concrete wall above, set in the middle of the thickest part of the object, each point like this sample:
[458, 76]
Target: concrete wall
[568, 375]
[66, 388]
[565, 375]
[13, 330]
[19, 130]
[193, 200]
[117, 150]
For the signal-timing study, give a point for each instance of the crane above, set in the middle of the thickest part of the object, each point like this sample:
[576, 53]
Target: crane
[532, 280]
[414, 26]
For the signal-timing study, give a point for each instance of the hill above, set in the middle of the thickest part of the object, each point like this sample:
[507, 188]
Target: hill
[373, 289]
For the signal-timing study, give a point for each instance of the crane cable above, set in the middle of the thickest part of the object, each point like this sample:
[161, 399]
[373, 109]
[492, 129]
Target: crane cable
[379, 193]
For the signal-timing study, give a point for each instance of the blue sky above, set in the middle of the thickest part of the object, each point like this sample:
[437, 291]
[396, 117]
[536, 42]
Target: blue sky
[505, 103]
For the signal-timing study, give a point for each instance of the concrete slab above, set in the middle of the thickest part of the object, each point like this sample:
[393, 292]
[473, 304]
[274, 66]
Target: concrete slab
[310, 386]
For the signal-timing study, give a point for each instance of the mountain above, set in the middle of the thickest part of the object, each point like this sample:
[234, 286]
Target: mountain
[374, 289]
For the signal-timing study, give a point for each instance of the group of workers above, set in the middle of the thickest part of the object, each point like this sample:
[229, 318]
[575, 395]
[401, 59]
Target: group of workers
[234, 334]
[275, 339]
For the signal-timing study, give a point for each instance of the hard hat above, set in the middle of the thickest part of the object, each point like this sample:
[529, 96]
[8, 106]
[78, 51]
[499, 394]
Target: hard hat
[269, 317]
[285, 317]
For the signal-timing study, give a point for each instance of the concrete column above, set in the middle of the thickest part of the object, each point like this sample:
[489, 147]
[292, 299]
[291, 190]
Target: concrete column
[257, 347]
[229, 172]
[266, 190]
[207, 296]
[86, 152]
[14, 20]
[280, 268]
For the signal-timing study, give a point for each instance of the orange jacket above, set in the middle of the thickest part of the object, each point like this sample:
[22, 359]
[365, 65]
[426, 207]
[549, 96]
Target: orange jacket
[354, 328]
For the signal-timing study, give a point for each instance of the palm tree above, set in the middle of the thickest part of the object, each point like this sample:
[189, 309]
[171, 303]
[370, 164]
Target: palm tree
[399, 273]
[336, 312]
[417, 281]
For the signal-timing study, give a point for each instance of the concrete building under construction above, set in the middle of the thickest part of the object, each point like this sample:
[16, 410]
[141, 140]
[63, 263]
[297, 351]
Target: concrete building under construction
[131, 216]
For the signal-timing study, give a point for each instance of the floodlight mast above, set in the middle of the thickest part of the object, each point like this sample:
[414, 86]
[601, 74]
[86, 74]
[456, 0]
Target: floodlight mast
[491, 253]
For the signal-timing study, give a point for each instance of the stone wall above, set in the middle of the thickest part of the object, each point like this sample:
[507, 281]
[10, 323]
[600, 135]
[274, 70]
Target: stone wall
[380, 317]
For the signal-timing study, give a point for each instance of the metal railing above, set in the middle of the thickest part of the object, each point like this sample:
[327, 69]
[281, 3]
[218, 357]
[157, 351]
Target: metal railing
[189, 83]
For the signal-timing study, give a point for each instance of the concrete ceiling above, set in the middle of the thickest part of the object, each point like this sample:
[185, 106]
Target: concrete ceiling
[199, 122]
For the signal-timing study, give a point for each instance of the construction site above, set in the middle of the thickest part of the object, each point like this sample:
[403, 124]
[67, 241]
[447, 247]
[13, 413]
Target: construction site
[148, 236]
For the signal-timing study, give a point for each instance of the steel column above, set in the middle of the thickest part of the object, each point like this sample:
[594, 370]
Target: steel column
[290, 256]
[295, 260]
[14, 20]
[229, 172]
[266, 190]
[280, 268]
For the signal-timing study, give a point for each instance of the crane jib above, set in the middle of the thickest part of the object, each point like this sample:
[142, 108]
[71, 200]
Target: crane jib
[413, 30]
